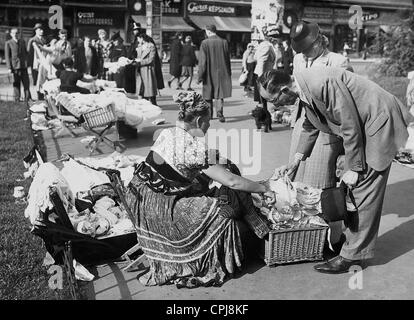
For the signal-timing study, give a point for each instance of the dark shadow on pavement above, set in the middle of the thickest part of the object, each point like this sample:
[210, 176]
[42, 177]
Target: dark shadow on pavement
[398, 198]
[399, 240]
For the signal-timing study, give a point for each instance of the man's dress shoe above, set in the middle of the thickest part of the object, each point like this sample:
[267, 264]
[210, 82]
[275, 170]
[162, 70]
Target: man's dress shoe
[336, 265]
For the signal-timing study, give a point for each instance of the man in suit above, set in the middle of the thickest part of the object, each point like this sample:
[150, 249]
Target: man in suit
[33, 60]
[86, 58]
[266, 57]
[214, 70]
[16, 61]
[372, 125]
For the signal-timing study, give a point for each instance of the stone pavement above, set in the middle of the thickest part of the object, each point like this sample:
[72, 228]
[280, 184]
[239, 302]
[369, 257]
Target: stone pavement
[389, 275]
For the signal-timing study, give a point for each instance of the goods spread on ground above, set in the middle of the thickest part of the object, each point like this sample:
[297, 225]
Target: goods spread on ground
[86, 195]
[295, 204]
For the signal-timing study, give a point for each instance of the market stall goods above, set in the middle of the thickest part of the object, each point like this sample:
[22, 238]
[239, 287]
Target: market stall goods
[87, 198]
[132, 111]
[295, 204]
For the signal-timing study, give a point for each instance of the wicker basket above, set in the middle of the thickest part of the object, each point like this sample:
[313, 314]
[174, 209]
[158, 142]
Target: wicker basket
[100, 117]
[294, 245]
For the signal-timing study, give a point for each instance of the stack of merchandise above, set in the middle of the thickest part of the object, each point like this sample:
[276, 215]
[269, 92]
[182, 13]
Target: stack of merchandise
[114, 67]
[116, 161]
[132, 111]
[295, 205]
[90, 202]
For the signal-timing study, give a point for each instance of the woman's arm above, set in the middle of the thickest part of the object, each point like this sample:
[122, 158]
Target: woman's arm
[220, 174]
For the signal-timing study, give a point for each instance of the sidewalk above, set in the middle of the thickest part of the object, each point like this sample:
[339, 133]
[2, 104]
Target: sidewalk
[388, 276]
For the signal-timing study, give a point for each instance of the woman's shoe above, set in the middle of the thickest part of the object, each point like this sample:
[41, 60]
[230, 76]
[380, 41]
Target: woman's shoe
[190, 89]
[169, 83]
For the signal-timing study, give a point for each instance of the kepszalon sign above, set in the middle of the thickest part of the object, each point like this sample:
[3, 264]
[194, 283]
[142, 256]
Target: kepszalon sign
[203, 8]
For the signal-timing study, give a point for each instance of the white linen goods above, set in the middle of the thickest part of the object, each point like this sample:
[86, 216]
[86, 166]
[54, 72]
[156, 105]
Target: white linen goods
[82, 178]
[38, 197]
[296, 204]
[133, 111]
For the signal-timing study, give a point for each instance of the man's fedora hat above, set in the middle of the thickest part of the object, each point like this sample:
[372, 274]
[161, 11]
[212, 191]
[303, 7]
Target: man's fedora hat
[38, 26]
[303, 35]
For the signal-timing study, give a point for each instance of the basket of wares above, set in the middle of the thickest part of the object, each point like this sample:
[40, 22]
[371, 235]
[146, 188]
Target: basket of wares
[298, 233]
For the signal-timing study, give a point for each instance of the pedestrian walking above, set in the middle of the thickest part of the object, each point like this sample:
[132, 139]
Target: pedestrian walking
[103, 46]
[146, 77]
[86, 58]
[175, 60]
[33, 60]
[287, 57]
[265, 61]
[248, 65]
[214, 70]
[117, 51]
[188, 62]
[16, 61]
[372, 124]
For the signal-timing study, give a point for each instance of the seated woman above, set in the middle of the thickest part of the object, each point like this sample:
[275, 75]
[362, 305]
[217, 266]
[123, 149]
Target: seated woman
[189, 236]
[69, 77]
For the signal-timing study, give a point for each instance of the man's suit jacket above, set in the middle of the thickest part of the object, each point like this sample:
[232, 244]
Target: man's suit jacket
[80, 60]
[371, 121]
[32, 59]
[265, 58]
[16, 54]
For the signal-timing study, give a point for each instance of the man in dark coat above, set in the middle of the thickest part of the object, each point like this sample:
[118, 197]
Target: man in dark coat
[86, 58]
[214, 70]
[175, 59]
[16, 61]
[117, 51]
[132, 54]
[372, 125]
[33, 61]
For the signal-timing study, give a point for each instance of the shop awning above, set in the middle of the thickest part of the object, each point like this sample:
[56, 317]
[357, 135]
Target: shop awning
[169, 23]
[223, 23]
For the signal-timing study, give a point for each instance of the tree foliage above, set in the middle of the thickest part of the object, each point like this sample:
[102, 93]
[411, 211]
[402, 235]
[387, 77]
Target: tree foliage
[397, 48]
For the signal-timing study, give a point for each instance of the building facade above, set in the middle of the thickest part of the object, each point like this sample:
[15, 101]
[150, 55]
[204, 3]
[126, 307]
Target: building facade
[233, 19]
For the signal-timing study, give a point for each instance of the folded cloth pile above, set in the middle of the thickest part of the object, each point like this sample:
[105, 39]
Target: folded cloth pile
[123, 163]
[90, 212]
[132, 111]
[106, 219]
[81, 178]
[47, 175]
[114, 67]
[295, 204]
[52, 87]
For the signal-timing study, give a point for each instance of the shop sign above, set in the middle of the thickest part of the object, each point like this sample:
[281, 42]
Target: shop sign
[91, 18]
[343, 15]
[318, 13]
[171, 7]
[370, 16]
[203, 8]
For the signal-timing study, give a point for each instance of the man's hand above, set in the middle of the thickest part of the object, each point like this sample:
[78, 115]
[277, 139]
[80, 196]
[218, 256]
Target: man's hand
[350, 178]
[10, 71]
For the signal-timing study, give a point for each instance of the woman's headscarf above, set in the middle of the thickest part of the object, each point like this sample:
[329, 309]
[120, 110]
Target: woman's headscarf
[190, 103]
